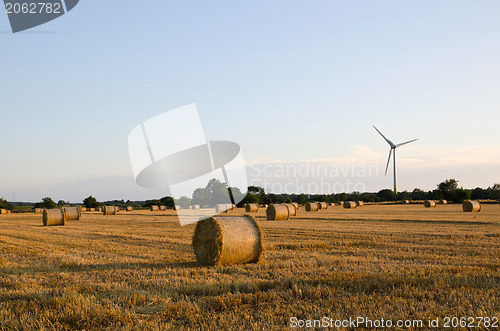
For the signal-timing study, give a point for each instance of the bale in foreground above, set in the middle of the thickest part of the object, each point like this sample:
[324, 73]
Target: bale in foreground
[251, 208]
[226, 240]
[312, 206]
[73, 213]
[54, 217]
[471, 206]
[277, 213]
[430, 204]
[296, 205]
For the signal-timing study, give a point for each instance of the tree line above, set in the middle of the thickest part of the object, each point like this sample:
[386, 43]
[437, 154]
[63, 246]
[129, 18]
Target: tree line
[216, 191]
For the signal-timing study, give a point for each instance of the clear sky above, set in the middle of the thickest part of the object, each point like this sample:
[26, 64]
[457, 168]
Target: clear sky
[293, 82]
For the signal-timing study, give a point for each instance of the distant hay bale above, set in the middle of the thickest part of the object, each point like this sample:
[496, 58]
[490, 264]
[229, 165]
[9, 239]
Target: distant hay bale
[196, 207]
[99, 210]
[350, 205]
[129, 208]
[277, 213]
[251, 208]
[38, 210]
[177, 207]
[430, 204]
[360, 203]
[83, 208]
[108, 210]
[296, 205]
[92, 209]
[443, 202]
[471, 206]
[73, 213]
[163, 208]
[227, 240]
[312, 206]
[154, 208]
[333, 204]
[8, 211]
[341, 203]
[322, 205]
[220, 208]
[292, 211]
[3, 211]
[54, 217]
[117, 209]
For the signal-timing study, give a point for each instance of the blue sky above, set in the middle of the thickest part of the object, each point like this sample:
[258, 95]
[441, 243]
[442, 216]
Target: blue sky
[288, 80]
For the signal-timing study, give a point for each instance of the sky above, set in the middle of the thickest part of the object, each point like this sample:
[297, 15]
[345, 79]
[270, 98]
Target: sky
[298, 85]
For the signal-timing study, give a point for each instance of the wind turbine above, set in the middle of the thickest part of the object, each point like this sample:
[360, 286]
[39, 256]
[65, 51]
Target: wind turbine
[393, 151]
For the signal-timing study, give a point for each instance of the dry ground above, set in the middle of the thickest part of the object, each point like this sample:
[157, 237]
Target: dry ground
[137, 270]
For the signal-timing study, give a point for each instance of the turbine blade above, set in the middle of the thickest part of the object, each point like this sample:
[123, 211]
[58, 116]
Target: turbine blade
[388, 141]
[388, 160]
[406, 142]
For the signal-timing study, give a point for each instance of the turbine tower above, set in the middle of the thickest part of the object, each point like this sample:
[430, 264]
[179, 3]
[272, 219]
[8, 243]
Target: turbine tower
[393, 151]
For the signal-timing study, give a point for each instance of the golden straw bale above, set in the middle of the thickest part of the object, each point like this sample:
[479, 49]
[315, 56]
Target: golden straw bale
[129, 208]
[54, 217]
[430, 204]
[277, 212]
[73, 213]
[312, 206]
[108, 210]
[154, 208]
[360, 203]
[251, 208]
[291, 209]
[163, 208]
[322, 205]
[227, 240]
[350, 205]
[471, 206]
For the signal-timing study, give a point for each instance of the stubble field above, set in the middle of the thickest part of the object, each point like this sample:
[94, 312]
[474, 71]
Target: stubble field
[137, 270]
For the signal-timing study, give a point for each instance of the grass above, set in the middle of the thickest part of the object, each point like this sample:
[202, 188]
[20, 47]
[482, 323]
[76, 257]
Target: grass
[137, 270]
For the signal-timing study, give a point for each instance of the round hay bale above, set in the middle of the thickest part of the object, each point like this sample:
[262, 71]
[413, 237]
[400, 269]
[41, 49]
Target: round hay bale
[92, 209]
[277, 213]
[471, 206]
[154, 208]
[84, 209]
[296, 205]
[3, 211]
[8, 211]
[350, 205]
[163, 208]
[129, 208]
[220, 208]
[226, 240]
[54, 217]
[108, 210]
[73, 213]
[322, 205]
[430, 204]
[312, 206]
[443, 202]
[196, 207]
[38, 210]
[251, 208]
[360, 203]
[291, 209]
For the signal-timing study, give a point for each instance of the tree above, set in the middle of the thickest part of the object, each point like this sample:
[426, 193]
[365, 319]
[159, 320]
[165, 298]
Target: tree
[90, 202]
[167, 201]
[446, 188]
[184, 202]
[201, 196]
[386, 195]
[46, 203]
[494, 192]
[459, 195]
[4, 204]
[61, 203]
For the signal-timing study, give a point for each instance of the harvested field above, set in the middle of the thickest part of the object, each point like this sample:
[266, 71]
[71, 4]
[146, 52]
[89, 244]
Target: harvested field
[137, 270]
